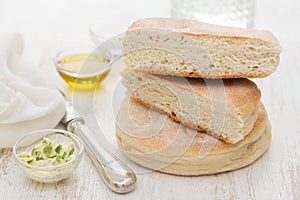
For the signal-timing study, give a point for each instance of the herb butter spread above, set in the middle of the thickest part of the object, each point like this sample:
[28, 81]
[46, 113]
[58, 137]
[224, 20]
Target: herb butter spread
[48, 153]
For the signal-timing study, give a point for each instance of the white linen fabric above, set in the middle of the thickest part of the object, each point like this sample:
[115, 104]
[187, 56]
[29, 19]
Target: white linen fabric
[26, 104]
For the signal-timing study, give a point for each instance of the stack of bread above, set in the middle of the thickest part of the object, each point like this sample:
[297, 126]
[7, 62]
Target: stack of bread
[191, 109]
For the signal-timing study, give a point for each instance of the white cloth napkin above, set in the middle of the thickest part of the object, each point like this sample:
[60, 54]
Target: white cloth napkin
[26, 103]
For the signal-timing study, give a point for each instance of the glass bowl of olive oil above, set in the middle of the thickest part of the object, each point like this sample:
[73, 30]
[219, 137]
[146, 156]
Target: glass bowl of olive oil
[83, 68]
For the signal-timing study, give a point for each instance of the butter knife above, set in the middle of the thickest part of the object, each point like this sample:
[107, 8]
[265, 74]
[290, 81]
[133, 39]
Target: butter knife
[116, 174]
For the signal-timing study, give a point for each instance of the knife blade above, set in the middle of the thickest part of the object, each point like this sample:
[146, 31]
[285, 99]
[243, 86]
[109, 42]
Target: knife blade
[116, 174]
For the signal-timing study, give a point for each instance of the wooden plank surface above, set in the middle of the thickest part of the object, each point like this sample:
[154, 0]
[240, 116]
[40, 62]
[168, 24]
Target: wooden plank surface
[50, 26]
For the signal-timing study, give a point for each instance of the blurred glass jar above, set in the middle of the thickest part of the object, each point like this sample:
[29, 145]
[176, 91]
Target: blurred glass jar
[237, 13]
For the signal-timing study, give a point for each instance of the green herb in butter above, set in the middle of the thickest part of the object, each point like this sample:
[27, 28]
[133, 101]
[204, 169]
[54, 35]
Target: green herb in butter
[48, 153]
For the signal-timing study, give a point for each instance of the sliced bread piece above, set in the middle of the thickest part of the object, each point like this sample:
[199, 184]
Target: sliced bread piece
[226, 109]
[190, 48]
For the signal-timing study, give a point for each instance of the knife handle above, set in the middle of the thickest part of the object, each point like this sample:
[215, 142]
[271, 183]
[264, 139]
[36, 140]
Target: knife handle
[116, 174]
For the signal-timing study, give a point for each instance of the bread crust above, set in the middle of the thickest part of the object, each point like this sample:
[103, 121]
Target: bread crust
[197, 28]
[265, 138]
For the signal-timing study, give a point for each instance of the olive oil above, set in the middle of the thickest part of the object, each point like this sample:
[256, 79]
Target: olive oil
[83, 71]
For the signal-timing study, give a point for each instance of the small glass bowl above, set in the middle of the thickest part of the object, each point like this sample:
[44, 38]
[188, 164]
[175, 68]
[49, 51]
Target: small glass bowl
[54, 173]
[83, 67]
[100, 32]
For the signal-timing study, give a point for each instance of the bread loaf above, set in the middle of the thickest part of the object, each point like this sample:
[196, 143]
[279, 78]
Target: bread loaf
[190, 48]
[176, 149]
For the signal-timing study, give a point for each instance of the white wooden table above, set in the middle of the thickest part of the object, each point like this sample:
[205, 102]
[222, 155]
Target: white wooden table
[49, 26]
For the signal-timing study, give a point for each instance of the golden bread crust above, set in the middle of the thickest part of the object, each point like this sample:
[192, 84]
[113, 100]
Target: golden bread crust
[197, 28]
